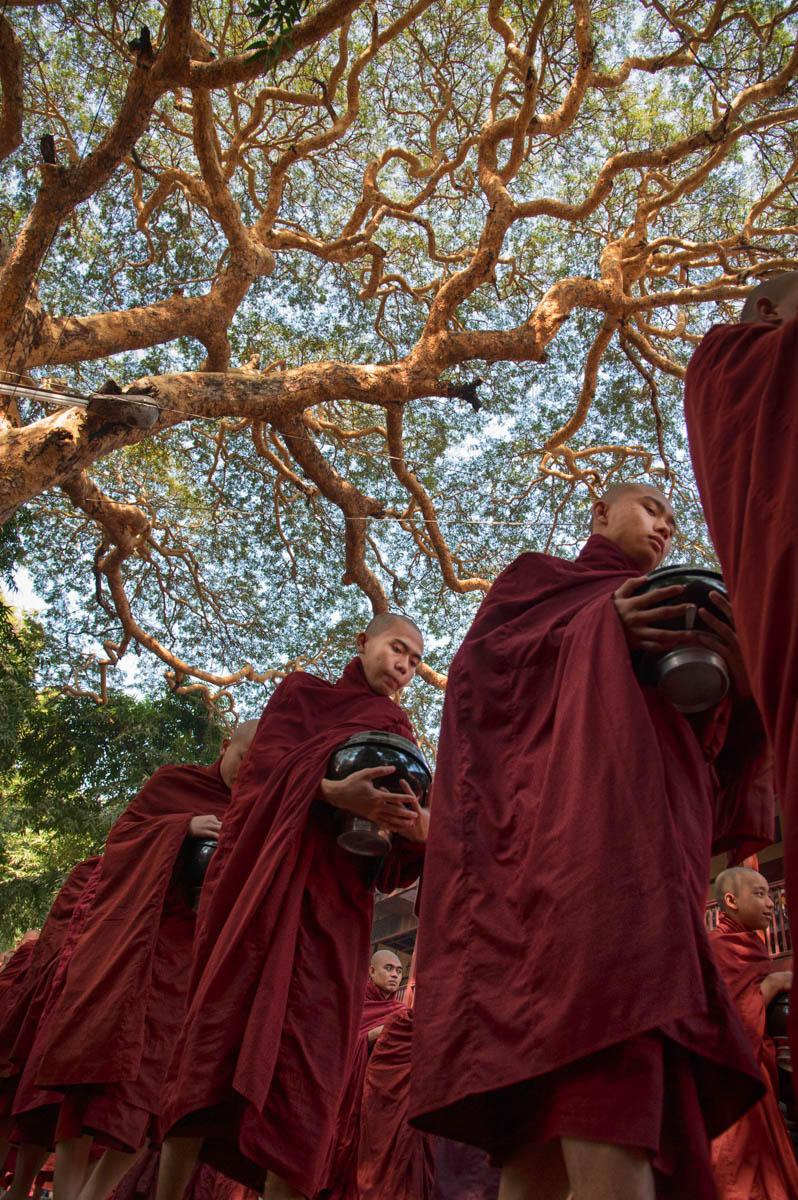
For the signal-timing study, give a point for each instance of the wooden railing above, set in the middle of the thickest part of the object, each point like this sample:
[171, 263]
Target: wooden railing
[778, 937]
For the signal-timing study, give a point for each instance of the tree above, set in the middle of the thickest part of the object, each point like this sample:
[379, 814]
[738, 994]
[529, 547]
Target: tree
[316, 264]
[75, 767]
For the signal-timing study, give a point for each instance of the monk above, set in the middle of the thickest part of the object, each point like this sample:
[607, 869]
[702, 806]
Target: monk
[107, 1041]
[14, 975]
[395, 1161]
[282, 946]
[563, 960]
[753, 1160]
[379, 1005]
[740, 399]
[21, 1013]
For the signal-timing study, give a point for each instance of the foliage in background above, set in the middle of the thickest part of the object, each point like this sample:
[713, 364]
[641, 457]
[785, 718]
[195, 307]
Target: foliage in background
[74, 766]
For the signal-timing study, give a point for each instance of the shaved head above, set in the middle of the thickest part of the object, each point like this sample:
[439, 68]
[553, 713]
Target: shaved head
[619, 490]
[639, 519]
[244, 732]
[744, 895]
[234, 749]
[772, 299]
[385, 621]
[380, 957]
[733, 880]
[386, 971]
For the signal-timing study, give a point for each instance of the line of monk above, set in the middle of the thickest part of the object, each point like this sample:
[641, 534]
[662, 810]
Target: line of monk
[574, 1031]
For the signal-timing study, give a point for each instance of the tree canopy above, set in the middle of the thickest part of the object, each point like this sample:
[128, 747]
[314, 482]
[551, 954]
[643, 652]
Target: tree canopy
[407, 291]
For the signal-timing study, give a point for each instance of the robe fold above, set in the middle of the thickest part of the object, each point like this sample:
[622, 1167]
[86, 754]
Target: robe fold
[395, 1161]
[741, 408]
[15, 983]
[341, 1171]
[20, 1013]
[108, 1038]
[754, 1159]
[282, 945]
[562, 916]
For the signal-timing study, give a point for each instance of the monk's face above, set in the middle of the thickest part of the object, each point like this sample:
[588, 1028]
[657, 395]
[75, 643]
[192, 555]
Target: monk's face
[390, 658]
[235, 751]
[753, 905]
[386, 973]
[640, 522]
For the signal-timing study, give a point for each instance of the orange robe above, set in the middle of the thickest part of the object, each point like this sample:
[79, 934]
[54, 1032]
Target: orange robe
[754, 1159]
[395, 1161]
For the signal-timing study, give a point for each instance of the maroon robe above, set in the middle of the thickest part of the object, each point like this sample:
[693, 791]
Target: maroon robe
[21, 1011]
[741, 407]
[341, 1172]
[107, 1040]
[562, 914]
[282, 946]
[395, 1161]
[754, 1159]
[15, 979]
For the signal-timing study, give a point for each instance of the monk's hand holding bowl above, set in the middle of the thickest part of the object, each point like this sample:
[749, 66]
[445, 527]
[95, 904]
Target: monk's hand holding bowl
[207, 826]
[357, 793]
[639, 615]
[724, 641]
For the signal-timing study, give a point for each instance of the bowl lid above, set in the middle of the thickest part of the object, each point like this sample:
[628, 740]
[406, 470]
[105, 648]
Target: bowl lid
[685, 573]
[378, 737]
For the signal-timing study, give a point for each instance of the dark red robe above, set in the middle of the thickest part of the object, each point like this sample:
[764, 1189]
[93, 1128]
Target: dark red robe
[21, 1011]
[282, 946]
[562, 913]
[341, 1172]
[395, 1161]
[36, 1111]
[754, 1159]
[14, 983]
[108, 1039]
[741, 407]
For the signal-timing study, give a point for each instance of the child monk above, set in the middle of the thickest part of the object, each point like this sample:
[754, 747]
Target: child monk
[563, 961]
[741, 407]
[107, 1040]
[282, 949]
[379, 1005]
[754, 1159]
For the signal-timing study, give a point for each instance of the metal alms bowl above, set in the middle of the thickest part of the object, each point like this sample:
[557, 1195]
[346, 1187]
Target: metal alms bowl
[692, 677]
[374, 748]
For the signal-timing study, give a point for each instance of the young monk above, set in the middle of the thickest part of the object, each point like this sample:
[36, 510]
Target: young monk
[563, 961]
[107, 1040]
[379, 1005]
[740, 403]
[754, 1159]
[262, 1060]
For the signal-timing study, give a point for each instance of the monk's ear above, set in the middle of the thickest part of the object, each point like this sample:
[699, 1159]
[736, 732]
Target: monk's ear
[600, 509]
[360, 642]
[225, 744]
[730, 901]
[766, 311]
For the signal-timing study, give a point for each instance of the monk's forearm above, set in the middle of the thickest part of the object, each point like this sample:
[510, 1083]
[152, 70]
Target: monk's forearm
[773, 984]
